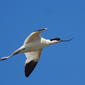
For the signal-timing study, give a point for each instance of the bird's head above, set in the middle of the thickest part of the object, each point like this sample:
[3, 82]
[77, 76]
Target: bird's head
[57, 40]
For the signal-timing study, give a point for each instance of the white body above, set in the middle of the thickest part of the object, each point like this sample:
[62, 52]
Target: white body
[37, 44]
[32, 48]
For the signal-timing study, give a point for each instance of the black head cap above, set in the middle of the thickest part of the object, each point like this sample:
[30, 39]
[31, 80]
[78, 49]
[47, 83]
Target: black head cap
[58, 39]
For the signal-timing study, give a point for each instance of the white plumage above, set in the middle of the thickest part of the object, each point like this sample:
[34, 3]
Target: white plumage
[32, 48]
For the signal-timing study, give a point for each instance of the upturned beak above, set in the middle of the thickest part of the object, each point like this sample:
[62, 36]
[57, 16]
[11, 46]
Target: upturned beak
[66, 40]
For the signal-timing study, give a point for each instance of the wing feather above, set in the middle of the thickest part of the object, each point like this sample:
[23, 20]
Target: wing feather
[31, 61]
[34, 36]
[29, 67]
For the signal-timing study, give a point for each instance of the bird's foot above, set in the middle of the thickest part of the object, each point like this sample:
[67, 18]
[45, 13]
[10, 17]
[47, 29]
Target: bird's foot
[4, 58]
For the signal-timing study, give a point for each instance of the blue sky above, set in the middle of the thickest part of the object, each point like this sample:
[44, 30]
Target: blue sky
[61, 64]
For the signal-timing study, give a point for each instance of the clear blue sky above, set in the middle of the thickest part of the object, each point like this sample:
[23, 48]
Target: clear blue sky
[61, 64]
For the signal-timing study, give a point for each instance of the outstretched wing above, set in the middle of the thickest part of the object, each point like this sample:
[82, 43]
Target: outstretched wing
[34, 36]
[31, 61]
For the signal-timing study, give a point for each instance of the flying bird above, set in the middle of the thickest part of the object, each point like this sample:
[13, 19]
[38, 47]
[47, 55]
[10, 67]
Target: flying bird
[32, 48]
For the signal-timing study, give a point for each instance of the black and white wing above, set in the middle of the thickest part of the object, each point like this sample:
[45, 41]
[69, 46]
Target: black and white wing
[31, 61]
[34, 36]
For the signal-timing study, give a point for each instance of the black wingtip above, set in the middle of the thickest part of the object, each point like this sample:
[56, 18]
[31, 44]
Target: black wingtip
[42, 29]
[29, 67]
